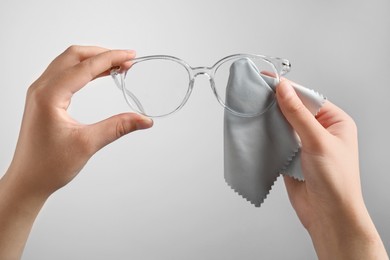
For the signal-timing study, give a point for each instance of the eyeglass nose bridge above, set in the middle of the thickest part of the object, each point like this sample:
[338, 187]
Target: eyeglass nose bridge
[208, 72]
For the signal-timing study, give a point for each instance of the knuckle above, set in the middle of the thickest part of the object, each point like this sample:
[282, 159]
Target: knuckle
[123, 127]
[38, 96]
[72, 49]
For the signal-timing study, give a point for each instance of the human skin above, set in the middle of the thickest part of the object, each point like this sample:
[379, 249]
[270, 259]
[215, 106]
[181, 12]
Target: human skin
[53, 148]
[329, 203]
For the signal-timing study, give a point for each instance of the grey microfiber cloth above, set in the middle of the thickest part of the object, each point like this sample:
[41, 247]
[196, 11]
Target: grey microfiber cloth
[258, 149]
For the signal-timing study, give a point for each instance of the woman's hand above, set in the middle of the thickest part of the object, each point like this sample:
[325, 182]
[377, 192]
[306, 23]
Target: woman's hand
[53, 147]
[329, 202]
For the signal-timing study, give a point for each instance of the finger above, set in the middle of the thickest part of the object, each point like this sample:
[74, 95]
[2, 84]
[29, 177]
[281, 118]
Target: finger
[72, 56]
[122, 68]
[305, 124]
[268, 73]
[87, 70]
[111, 129]
[76, 53]
[336, 121]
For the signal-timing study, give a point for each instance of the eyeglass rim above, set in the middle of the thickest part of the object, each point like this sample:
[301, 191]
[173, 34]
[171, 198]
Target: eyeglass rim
[281, 67]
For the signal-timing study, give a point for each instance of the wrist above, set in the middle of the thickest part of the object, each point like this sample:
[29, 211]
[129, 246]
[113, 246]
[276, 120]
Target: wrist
[24, 187]
[28, 183]
[351, 235]
[18, 210]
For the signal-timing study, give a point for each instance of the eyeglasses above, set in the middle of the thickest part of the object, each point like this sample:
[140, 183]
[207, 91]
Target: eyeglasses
[160, 85]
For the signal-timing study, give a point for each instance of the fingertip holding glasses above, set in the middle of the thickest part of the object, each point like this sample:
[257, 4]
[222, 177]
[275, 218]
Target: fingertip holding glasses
[159, 85]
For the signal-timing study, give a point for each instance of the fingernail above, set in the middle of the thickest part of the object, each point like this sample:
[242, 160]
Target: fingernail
[131, 52]
[144, 123]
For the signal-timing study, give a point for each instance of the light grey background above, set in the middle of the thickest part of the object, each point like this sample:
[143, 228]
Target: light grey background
[160, 194]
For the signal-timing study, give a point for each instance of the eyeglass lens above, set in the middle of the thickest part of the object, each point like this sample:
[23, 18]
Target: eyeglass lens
[158, 87]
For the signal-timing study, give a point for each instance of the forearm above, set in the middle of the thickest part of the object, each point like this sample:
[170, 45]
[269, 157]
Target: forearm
[347, 237]
[18, 209]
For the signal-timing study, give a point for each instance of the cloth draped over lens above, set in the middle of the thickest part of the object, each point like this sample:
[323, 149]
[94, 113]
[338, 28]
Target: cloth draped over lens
[258, 149]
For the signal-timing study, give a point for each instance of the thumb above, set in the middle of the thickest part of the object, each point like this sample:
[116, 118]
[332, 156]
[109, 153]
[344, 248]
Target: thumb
[111, 129]
[302, 120]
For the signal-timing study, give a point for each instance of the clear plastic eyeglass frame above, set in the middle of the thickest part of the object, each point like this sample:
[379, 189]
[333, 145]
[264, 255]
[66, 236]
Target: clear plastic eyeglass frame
[278, 66]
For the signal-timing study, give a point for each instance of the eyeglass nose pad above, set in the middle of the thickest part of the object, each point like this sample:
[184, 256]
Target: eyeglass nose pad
[116, 76]
[283, 66]
[131, 99]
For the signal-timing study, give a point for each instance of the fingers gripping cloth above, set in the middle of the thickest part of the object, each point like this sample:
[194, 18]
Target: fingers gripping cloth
[258, 149]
